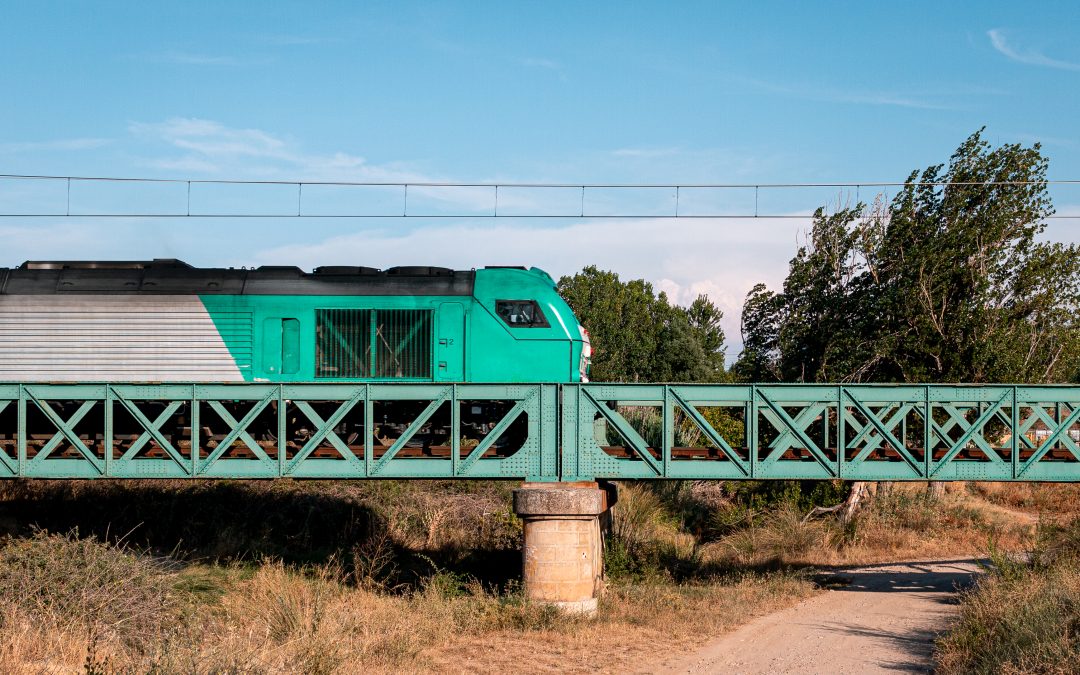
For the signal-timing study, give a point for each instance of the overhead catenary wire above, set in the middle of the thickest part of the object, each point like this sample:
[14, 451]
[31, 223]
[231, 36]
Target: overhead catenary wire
[513, 184]
[580, 213]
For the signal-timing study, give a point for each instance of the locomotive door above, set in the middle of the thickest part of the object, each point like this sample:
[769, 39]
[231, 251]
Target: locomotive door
[450, 350]
[281, 346]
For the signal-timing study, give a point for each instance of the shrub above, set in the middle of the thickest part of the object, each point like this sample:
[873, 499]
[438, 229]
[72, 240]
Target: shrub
[65, 580]
[1025, 624]
[789, 536]
[1023, 616]
[639, 517]
[646, 540]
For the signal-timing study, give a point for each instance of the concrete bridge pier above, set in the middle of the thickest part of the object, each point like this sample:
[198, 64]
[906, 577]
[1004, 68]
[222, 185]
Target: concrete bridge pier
[563, 563]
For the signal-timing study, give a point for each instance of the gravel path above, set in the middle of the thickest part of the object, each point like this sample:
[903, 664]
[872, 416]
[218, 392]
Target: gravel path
[883, 620]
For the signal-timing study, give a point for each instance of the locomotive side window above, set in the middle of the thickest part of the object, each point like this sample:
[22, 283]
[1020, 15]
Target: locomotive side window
[290, 346]
[360, 343]
[521, 313]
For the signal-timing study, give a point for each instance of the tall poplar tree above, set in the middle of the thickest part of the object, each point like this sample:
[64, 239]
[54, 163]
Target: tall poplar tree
[949, 282]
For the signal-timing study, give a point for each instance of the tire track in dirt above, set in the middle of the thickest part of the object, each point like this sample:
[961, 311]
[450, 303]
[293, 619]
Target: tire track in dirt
[878, 619]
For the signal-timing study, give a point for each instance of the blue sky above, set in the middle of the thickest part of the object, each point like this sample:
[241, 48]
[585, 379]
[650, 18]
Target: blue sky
[608, 92]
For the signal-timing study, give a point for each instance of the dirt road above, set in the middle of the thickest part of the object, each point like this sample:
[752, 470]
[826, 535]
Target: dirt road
[884, 619]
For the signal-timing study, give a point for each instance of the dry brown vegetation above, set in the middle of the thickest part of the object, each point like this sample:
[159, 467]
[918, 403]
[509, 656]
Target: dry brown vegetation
[904, 522]
[275, 619]
[319, 578]
[1024, 615]
[361, 577]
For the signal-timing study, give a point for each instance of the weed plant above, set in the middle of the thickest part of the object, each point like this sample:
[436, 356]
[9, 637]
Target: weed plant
[1024, 615]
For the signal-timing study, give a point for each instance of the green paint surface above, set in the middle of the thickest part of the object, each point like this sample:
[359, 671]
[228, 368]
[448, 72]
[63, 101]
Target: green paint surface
[471, 343]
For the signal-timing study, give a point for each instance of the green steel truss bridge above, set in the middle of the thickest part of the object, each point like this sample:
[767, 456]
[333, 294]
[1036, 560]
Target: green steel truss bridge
[547, 432]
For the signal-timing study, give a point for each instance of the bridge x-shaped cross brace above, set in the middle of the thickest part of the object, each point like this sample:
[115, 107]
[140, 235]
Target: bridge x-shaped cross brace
[956, 419]
[325, 431]
[1059, 433]
[792, 430]
[972, 432]
[151, 430]
[884, 430]
[238, 430]
[66, 430]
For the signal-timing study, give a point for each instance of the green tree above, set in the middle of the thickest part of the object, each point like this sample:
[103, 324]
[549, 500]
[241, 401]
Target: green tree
[970, 294]
[704, 318]
[945, 283]
[759, 361]
[638, 335]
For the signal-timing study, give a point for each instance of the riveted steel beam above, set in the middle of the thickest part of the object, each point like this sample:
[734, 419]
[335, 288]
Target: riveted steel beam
[540, 432]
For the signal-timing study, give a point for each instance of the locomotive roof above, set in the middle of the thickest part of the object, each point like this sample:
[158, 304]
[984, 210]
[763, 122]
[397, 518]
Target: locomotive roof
[168, 276]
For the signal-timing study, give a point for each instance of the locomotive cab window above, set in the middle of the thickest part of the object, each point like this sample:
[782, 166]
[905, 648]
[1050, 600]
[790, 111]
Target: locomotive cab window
[521, 313]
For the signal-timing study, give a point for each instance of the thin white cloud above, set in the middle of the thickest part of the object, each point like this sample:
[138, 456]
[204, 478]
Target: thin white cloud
[208, 147]
[541, 63]
[57, 241]
[62, 144]
[645, 153]
[888, 99]
[1043, 139]
[858, 97]
[213, 147]
[200, 59]
[722, 259]
[213, 139]
[295, 40]
[546, 64]
[1026, 56]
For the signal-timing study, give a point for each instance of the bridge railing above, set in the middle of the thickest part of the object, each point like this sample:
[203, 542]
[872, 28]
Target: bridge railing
[541, 432]
[277, 430]
[858, 432]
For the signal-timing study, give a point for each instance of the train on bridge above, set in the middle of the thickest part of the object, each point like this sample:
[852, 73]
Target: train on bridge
[164, 321]
[159, 369]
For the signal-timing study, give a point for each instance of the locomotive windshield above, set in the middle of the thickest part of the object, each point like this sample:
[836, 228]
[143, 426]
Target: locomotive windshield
[521, 313]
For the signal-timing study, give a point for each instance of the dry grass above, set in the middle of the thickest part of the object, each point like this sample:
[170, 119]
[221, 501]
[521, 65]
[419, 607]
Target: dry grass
[1026, 625]
[1055, 501]
[1023, 617]
[278, 619]
[906, 523]
[66, 602]
[381, 577]
[637, 624]
[412, 589]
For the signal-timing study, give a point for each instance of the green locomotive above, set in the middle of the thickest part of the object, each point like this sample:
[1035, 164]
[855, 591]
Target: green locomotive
[165, 321]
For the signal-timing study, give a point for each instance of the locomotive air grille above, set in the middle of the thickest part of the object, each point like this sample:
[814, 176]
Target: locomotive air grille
[401, 337]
